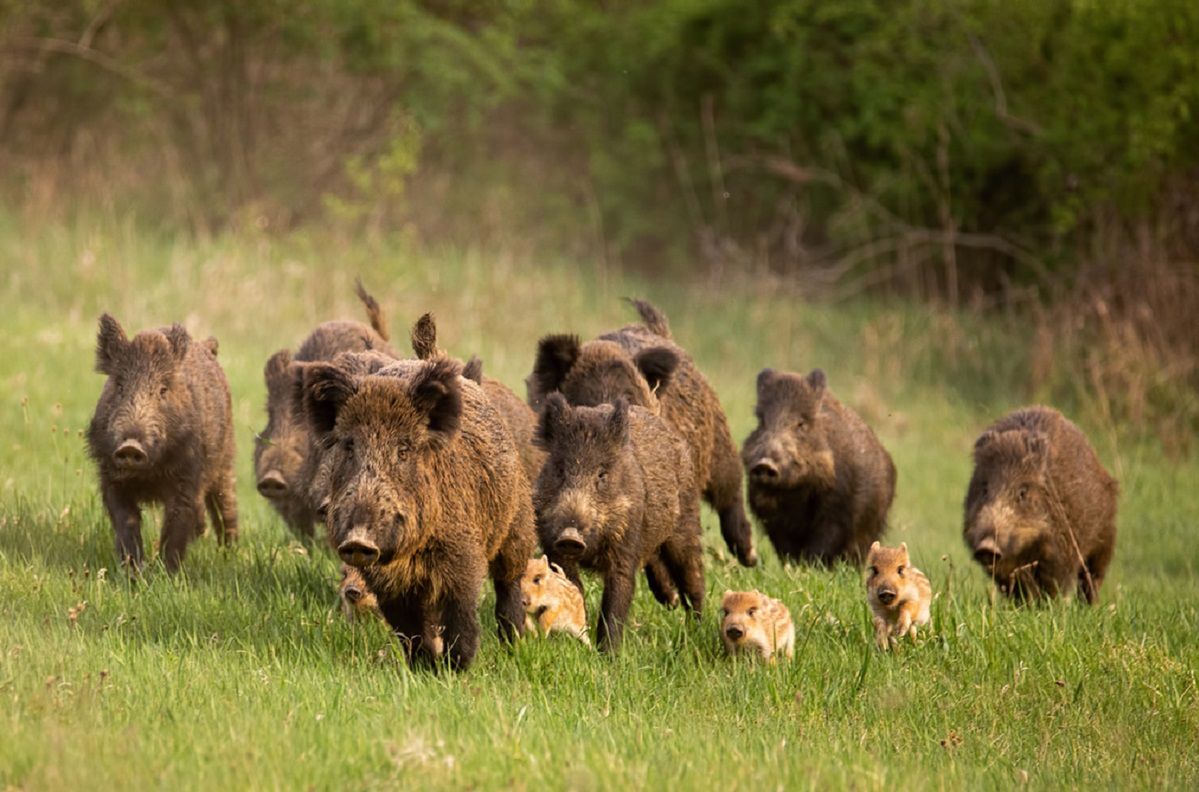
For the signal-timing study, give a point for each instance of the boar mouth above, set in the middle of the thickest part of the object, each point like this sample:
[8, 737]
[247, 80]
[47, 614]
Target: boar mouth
[570, 543]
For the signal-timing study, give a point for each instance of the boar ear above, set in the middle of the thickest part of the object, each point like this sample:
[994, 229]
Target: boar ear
[473, 370]
[179, 339]
[326, 390]
[985, 439]
[111, 343]
[817, 381]
[1037, 449]
[276, 366]
[657, 364]
[903, 549]
[556, 356]
[437, 394]
[424, 338]
[618, 422]
[766, 378]
[551, 419]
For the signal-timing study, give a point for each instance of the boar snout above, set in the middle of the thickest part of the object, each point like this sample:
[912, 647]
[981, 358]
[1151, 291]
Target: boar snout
[764, 471]
[987, 552]
[358, 549]
[352, 594]
[734, 632]
[886, 596]
[272, 485]
[130, 454]
[570, 543]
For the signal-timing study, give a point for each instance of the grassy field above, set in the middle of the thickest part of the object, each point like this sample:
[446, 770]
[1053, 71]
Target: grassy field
[241, 672]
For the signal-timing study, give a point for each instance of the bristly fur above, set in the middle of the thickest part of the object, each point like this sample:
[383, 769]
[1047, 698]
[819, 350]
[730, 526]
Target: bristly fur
[436, 392]
[556, 354]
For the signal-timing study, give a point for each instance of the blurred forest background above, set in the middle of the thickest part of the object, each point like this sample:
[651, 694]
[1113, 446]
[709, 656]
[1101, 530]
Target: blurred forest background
[1034, 159]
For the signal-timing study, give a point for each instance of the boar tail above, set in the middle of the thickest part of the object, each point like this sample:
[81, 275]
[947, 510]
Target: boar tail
[654, 319]
[373, 311]
[424, 339]
[473, 370]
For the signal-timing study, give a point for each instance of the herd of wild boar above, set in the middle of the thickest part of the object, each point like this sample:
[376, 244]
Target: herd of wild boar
[429, 477]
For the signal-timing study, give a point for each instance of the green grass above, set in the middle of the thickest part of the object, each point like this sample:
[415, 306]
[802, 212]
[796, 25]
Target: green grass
[241, 673]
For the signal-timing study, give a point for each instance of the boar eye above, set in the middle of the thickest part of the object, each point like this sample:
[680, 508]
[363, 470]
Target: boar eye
[537, 580]
[603, 474]
[899, 570]
[750, 613]
[1022, 493]
[347, 444]
[873, 571]
[162, 389]
[801, 424]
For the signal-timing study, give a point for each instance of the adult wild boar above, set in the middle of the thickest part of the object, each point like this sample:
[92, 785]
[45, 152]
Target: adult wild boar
[163, 433]
[282, 449]
[1040, 508]
[426, 496]
[616, 494]
[643, 364]
[819, 479]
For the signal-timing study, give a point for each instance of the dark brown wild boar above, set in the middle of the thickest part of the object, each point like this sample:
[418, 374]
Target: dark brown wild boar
[281, 450]
[819, 479]
[1040, 508]
[642, 364]
[163, 433]
[426, 496]
[616, 494]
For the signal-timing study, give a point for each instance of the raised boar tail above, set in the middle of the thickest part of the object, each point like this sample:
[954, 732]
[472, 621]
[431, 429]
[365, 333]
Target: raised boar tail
[373, 311]
[654, 319]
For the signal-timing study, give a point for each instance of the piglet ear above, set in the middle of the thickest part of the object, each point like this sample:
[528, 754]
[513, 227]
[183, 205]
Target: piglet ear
[552, 415]
[556, 356]
[179, 340]
[618, 422]
[424, 338]
[111, 343]
[326, 389]
[903, 550]
[556, 569]
[657, 365]
[437, 394]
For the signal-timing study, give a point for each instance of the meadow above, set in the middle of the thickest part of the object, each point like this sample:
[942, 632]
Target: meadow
[241, 672]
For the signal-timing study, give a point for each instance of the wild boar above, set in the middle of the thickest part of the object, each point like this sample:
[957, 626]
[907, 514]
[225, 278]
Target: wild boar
[644, 365]
[426, 496]
[281, 450]
[617, 493]
[1040, 510]
[819, 479]
[163, 433]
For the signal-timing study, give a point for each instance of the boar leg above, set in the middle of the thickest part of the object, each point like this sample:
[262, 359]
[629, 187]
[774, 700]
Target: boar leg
[1097, 567]
[182, 521]
[406, 617]
[882, 633]
[222, 510]
[660, 582]
[614, 607]
[127, 524]
[723, 492]
[684, 558]
[460, 615]
[506, 570]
